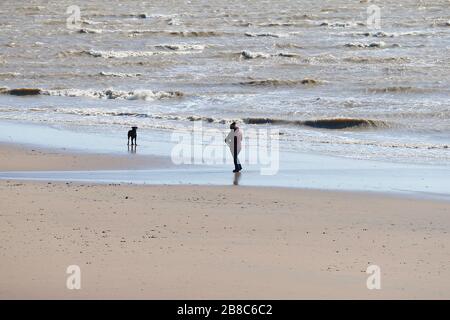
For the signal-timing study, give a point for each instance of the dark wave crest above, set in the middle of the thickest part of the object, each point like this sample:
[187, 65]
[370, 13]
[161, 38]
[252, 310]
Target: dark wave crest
[336, 123]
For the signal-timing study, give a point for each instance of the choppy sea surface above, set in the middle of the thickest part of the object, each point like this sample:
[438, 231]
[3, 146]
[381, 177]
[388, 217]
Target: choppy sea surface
[384, 93]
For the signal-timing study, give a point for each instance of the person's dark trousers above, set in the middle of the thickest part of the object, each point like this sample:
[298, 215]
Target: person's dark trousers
[237, 165]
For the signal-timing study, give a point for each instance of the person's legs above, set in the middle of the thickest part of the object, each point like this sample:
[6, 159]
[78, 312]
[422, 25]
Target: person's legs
[235, 156]
[237, 163]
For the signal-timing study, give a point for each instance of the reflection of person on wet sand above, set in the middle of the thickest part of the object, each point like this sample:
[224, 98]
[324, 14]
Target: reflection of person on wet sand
[234, 141]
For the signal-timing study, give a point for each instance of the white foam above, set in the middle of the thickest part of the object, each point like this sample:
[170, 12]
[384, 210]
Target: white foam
[182, 47]
[114, 94]
[253, 55]
[127, 54]
[380, 44]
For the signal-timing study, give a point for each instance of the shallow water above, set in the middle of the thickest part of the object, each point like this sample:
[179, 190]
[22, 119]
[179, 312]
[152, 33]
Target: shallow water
[294, 169]
[380, 179]
[161, 64]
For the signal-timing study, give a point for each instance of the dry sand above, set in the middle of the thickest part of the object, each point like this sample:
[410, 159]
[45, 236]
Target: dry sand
[173, 242]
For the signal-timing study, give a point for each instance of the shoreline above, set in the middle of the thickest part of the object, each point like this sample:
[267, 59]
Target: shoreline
[27, 162]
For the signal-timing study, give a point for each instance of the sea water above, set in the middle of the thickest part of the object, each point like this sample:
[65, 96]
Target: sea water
[161, 65]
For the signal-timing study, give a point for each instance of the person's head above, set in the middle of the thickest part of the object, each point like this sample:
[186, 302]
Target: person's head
[233, 126]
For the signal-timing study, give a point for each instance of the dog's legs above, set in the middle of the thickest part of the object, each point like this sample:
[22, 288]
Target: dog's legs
[128, 143]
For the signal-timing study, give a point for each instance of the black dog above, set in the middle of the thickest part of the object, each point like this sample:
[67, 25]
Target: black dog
[133, 135]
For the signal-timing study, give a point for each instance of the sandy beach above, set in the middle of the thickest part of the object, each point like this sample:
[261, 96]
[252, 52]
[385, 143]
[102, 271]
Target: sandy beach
[205, 242]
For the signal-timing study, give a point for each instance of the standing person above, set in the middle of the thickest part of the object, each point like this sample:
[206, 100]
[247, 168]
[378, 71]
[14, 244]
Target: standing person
[234, 141]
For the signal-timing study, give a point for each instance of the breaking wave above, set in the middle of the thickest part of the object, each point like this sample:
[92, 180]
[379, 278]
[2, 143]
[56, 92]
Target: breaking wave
[100, 94]
[382, 34]
[258, 55]
[333, 123]
[380, 44]
[181, 47]
[254, 55]
[337, 123]
[177, 33]
[89, 30]
[127, 54]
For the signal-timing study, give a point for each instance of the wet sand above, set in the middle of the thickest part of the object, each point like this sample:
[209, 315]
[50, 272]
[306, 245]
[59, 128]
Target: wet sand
[32, 158]
[137, 241]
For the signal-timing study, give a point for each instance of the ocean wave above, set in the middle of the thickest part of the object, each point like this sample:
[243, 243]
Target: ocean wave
[115, 94]
[21, 91]
[141, 15]
[177, 33]
[119, 74]
[398, 89]
[278, 24]
[382, 34]
[118, 54]
[195, 33]
[380, 44]
[9, 109]
[92, 112]
[357, 59]
[254, 55]
[90, 22]
[181, 47]
[336, 123]
[265, 34]
[287, 55]
[258, 55]
[9, 74]
[441, 24]
[89, 30]
[100, 94]
[128, 54]
[321, 58]
[278, 82]
[288, 46]
[97, 113]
